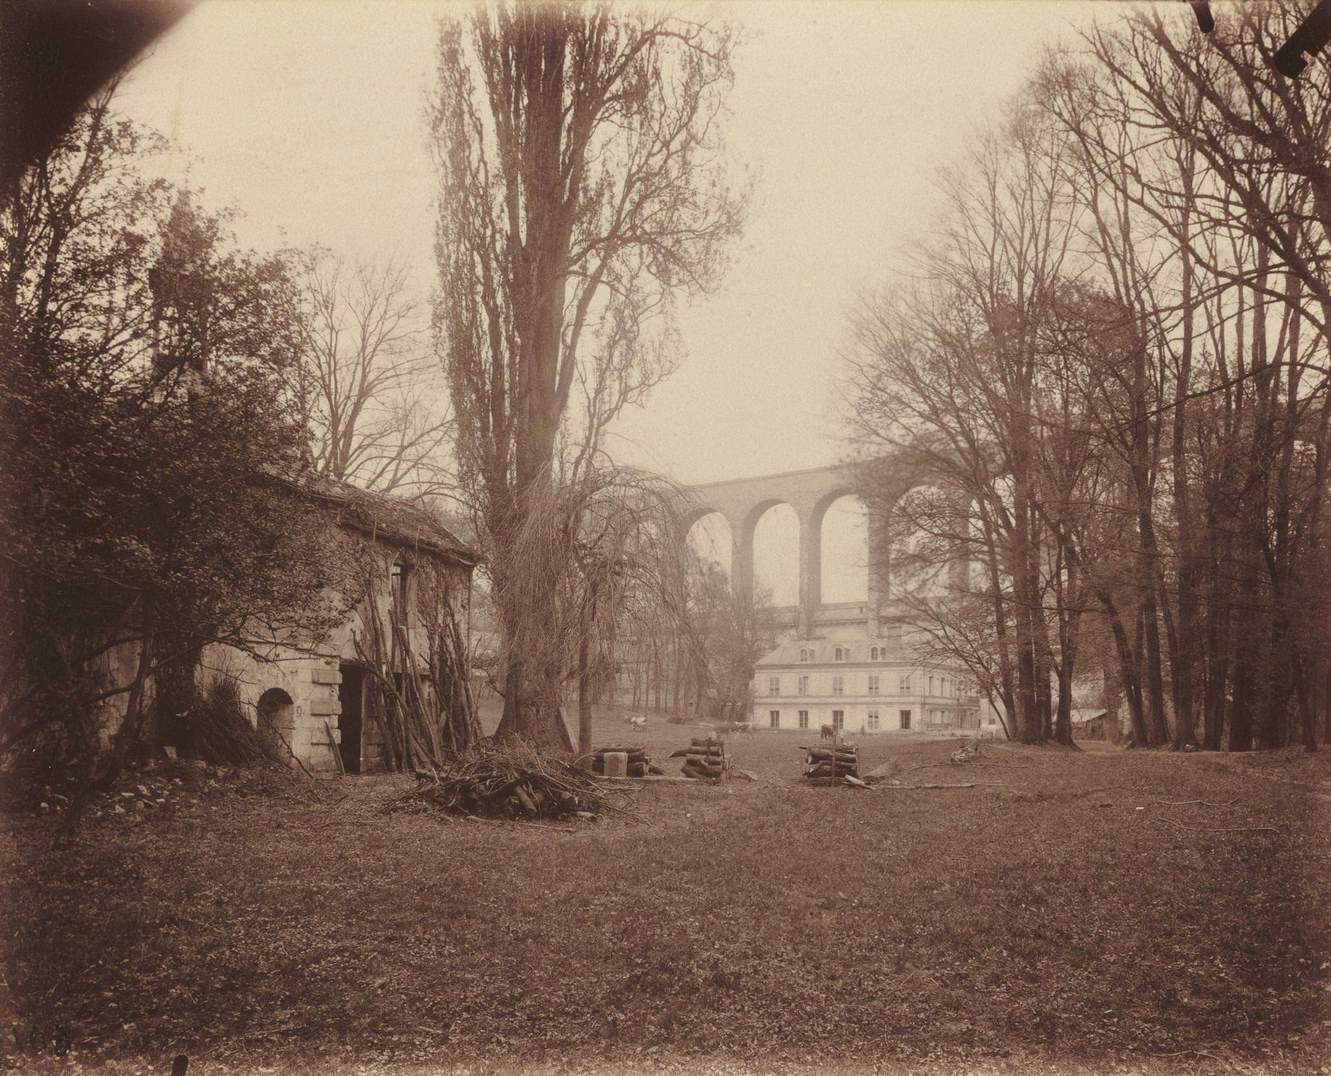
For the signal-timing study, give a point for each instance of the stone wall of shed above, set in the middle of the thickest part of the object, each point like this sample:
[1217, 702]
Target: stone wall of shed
[310, 680]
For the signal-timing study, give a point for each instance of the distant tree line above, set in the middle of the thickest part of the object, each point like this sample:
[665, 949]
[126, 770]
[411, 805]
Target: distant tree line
[698, 664]
[1113, 364]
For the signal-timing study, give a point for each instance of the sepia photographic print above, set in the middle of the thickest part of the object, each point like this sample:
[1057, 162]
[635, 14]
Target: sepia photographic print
[573, 537]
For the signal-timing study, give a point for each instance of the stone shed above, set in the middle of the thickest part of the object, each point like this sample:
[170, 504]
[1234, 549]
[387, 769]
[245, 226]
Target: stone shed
[320, 697]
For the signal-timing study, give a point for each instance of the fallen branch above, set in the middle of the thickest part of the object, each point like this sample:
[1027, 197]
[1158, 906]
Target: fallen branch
[504, 822]
[1185, 803]
[1226, 829]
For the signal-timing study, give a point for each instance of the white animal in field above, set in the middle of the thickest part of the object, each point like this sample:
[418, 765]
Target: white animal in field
[638, 722]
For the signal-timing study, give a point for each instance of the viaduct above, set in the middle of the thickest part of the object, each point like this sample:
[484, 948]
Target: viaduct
[810, 493]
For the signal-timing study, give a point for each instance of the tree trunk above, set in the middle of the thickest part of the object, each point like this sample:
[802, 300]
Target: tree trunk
[584, 695]
[1063, 722]
[1248, 662]
[1272, 722]
[1218, 644]
[1001, 635]
[1326, 706]
[1183, 642]
[1157, 726]
[1113, 694]
[1044, 674]
[1305, 690]
[1128, 670]
[1241, 709]
[175, 694]
[1026, 598]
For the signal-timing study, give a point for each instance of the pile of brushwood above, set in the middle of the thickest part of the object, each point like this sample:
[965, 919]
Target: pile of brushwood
[510, 781]
[222, 734]
[639, 765]
[838, 764]
[704, 758]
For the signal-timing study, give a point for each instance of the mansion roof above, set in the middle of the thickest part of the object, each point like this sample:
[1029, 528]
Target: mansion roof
[855, 650]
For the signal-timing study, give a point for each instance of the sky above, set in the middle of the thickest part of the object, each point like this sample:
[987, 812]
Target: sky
[309, 118]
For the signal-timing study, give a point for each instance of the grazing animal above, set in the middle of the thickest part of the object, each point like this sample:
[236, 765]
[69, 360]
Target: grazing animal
[827, 732]
[638, 722]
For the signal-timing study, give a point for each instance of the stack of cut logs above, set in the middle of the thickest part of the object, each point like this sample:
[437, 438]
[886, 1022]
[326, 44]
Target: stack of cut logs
[829, 765]
[705, 758]
[639, 765]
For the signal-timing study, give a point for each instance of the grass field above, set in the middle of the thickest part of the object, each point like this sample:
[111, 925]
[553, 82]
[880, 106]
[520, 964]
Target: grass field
[1090, 911]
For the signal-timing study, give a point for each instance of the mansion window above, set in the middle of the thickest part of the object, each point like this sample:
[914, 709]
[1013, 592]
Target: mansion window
[905, 719]
[774, 718]
[804, 654]
[774, 685]
[905, 684]
[873, 654]
[804, 719]
[841, 653]
[873, 683]
[872, 723]
[838, 719]
[804, 685]
[838, 685]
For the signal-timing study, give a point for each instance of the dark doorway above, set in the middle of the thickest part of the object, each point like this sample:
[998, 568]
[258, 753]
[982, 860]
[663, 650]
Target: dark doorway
[351, 694]
[905, 719]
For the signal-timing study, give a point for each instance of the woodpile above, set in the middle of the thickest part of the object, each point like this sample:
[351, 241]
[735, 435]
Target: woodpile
[510, 781]
[705, 758]
[838, 764]
[639, 764]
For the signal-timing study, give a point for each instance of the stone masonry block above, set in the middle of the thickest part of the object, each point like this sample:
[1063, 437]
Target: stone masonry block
[325, 707]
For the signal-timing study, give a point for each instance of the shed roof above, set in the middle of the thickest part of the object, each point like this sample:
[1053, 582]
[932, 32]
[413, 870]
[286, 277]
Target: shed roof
[393, 519]
[1082, 715]
[385, 517]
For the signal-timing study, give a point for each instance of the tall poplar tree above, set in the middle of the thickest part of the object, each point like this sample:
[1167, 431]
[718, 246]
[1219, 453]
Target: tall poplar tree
[581, 189]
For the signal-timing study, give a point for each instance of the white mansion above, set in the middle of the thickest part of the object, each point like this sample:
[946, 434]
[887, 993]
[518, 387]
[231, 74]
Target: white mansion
[860, 684]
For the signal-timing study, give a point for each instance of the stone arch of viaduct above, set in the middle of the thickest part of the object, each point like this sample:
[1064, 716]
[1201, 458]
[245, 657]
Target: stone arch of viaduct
[742, 502]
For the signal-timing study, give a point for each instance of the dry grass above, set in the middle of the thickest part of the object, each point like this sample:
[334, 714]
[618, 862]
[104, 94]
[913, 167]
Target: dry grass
[1074, 912]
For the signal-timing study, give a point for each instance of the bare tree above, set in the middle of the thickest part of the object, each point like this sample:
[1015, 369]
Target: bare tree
[581, 189]
[1206, 175]
[952, 376]
[725, 631]
[630, 582]
[368, 381]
